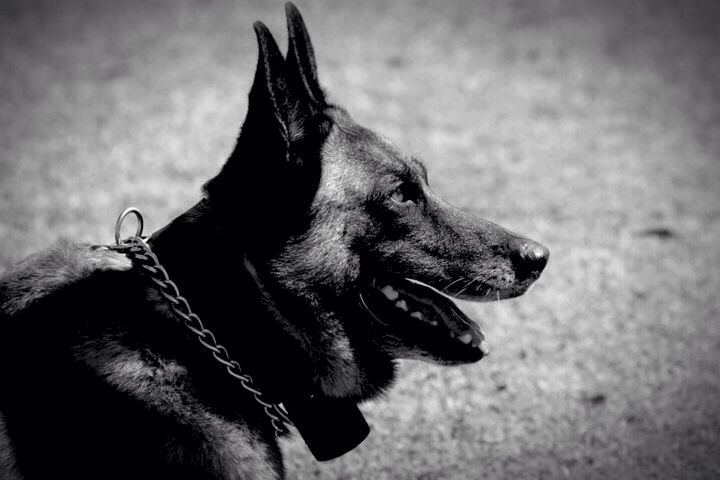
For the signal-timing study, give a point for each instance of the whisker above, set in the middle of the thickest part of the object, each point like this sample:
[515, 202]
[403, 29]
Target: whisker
[469, 284]
[451, 284]
[503, 312]
[477, 279]
[465, 287]
[487, 294]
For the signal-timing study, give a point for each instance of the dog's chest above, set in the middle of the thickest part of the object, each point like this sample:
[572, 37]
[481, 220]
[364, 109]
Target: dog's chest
[225, 449]
[238, 454]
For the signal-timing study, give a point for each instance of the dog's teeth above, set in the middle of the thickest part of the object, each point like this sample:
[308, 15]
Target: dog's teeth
[390, 293]
[417, 315]
[434, 323]
[402, 304]
[484, 347]
[465, 338]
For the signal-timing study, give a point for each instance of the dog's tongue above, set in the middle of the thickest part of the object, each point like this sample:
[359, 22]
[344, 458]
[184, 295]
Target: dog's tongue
[435, 305]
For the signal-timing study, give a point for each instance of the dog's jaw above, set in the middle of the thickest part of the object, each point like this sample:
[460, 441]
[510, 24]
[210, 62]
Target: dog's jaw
[346, 360]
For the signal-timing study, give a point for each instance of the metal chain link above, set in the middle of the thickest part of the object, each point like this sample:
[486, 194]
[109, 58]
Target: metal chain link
[139, 251]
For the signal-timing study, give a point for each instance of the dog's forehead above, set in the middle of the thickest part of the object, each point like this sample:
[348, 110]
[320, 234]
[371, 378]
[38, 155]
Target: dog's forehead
[354, 156]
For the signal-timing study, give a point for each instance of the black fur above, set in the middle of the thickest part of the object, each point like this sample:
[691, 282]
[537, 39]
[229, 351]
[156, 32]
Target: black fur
[100, 381]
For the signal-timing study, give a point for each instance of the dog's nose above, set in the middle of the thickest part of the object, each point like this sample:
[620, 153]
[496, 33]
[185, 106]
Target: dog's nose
[532, 258]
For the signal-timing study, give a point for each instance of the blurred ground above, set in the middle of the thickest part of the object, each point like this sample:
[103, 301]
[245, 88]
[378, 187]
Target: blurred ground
[591, 126]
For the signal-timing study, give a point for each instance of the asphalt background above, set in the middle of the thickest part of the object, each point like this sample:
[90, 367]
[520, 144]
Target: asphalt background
[593, 127]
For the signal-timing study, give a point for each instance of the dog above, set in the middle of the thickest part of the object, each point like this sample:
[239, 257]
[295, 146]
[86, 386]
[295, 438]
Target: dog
[318, 256]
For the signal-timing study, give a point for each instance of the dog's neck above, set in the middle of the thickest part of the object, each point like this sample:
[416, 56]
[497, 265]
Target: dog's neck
[223, 288]
[212, 275]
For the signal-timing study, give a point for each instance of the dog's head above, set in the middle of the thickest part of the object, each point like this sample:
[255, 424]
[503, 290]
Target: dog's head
[359, 254]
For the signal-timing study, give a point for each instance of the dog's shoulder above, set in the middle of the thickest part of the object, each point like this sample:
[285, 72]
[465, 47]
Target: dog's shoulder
[120, 369]
[44, 273]
[8, 470]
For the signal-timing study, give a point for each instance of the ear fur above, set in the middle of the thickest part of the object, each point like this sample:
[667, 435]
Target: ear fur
[302, 68]
[270, 88]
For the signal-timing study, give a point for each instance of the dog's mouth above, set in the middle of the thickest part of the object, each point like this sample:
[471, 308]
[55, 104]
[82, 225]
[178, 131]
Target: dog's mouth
[426, 321]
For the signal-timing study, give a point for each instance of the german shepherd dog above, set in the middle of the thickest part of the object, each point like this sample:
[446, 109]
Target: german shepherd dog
[318, 256]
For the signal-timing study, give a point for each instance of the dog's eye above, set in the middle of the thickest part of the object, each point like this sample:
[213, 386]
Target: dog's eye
[402, 194]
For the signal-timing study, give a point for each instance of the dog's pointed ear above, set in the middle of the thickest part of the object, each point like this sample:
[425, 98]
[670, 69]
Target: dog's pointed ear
[270, 93]
[302, 69]
[277, 156]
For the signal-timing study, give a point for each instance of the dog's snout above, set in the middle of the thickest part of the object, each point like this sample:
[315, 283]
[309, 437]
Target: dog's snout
[531, 258]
